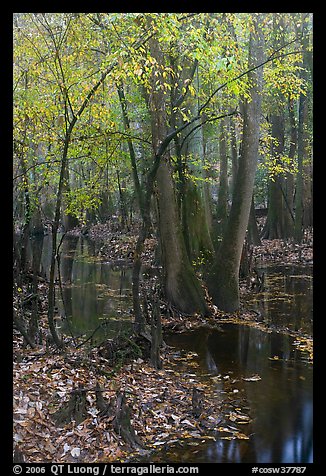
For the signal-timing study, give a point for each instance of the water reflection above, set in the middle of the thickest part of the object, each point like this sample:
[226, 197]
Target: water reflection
[280, 403]
[93, 294]
[287, 298]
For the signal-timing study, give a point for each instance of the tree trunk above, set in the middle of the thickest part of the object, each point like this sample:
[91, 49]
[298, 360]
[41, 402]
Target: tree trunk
[222, 200]
[55, 226]
[75, 409]
[37, 247]
[223, 278]
[197, 146]
[278, 216]
[253, 232]
[192, 204]
[308, 196]
[181, 286]
[123, 204]
[196, 230]
[69, 221]
[302, 137]
[122, 423]
[132, 154]
[298, 224]
[234, 151]
[289, 186]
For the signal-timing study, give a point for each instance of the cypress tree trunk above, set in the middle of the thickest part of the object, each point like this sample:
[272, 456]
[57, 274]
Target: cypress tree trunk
[223, 278]
[182, 288]
[308, 197]
[289, 177]
[196, 231]
[197, 146]
[303, 114]
[193, 198]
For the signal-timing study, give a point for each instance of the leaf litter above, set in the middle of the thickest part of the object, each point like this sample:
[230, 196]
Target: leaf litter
[161, 404]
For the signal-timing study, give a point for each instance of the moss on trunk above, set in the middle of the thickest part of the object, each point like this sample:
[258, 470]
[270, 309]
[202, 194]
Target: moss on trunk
[181, 285]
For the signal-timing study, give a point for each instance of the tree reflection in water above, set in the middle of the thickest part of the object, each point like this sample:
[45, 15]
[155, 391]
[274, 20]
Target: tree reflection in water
[280, 404]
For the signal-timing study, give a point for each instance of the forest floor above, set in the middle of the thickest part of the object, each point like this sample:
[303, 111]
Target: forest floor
[160, 406]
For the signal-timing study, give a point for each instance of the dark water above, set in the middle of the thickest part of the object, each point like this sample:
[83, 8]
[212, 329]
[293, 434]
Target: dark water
[279, 404]
[94, 295]
[286, 301]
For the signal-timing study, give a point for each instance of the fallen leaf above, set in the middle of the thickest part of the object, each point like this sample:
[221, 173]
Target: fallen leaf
[223, 428]
[66, 448]
[233, 416]
[188, 423]
[75, 452]
[253, 378]
[241, 436]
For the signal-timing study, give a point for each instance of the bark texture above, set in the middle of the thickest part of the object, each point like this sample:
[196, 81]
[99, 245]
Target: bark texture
[223, 278]
[181, 286]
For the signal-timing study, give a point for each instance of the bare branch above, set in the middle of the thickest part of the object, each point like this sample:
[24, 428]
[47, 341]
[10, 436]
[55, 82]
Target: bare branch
[208, 119]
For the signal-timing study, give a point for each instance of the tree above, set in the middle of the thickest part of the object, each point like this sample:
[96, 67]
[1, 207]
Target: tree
[181, 286]
[223, 277]
[115, 106]
[279, 223]
[278, 219]
[222, 200]
[302, 133]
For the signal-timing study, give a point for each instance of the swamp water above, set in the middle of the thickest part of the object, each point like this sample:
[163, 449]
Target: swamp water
[279, 403]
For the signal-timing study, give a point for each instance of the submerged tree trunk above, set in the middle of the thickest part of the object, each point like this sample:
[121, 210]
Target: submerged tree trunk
[223, 278]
